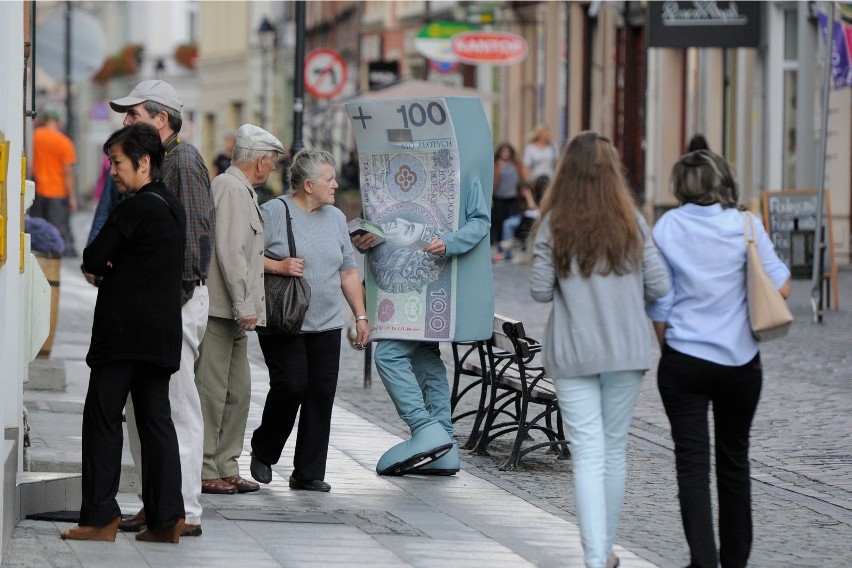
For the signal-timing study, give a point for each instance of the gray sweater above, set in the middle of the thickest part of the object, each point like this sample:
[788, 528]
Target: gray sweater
[597, 324]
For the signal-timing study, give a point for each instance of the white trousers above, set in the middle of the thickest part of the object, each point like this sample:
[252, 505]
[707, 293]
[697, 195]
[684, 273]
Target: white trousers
[186, 408]
[596, 413]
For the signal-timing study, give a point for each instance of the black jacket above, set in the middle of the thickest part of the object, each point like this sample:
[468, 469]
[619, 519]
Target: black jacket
[138, 312]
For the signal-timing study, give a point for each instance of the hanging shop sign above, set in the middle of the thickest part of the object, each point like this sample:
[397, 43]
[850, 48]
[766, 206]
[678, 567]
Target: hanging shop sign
[704, 24]
[434, 40]
[493, 48]
[325, 73]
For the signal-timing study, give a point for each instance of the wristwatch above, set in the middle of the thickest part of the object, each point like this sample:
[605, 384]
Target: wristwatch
[359, 318]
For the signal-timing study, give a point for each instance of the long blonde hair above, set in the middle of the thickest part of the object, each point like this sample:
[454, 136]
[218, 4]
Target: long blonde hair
[592, 211]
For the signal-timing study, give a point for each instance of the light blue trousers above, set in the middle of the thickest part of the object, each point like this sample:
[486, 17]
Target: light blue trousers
[416, 380]
[596, 412]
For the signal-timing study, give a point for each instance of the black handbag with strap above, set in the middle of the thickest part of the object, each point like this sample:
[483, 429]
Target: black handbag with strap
[287, 297]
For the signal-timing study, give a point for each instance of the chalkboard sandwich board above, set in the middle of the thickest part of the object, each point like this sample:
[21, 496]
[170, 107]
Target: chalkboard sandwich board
[790, 218]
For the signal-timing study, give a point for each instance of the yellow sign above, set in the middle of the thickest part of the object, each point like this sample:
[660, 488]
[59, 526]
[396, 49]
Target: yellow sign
[4, 216]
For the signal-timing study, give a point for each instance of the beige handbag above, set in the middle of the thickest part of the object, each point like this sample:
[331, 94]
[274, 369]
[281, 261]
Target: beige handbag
[767, 310]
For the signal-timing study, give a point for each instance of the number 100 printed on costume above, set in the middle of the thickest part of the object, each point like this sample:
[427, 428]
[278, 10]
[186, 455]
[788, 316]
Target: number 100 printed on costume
[414, 174]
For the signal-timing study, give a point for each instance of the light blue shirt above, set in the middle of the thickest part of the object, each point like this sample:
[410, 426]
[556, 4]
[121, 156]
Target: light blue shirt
[706, 311]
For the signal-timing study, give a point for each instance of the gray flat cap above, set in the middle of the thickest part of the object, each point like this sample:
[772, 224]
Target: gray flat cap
[150, 90]
[251, 137]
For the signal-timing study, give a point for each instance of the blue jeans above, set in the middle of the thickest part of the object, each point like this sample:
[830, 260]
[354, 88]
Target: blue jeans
[596, 412]
[510, 225]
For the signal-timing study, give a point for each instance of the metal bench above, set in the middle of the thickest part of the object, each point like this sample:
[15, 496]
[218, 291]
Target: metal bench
[515, 394]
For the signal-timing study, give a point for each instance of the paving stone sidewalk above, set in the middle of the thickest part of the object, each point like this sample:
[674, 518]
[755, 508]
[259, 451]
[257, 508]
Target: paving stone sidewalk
[801, 443]
[801, 448]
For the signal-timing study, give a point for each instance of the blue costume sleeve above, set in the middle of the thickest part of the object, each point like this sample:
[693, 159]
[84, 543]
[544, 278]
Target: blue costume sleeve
[477, 223]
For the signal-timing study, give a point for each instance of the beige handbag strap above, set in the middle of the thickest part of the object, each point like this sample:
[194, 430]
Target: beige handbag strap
[748, 227]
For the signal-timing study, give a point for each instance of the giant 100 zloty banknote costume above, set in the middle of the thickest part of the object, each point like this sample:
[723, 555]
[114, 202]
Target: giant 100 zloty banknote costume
[418, 159]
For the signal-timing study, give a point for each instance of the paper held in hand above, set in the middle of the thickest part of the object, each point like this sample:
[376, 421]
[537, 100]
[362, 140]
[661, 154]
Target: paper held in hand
[358, 227]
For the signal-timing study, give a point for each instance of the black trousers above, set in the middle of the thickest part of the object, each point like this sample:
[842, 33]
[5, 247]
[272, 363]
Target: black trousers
[302, 375]
[687, 386]
[109, 386]
[501, 209]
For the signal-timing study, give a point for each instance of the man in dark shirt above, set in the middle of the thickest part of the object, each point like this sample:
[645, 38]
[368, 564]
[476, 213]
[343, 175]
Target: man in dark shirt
[156, 103]
[223, 160]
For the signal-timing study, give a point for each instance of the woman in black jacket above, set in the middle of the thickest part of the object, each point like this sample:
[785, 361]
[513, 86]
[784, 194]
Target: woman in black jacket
[136, 342]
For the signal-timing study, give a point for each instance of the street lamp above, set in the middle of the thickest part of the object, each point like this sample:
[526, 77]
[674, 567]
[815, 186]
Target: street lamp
[266, 32]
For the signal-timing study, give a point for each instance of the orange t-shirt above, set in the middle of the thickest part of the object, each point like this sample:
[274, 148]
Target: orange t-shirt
[52, 152]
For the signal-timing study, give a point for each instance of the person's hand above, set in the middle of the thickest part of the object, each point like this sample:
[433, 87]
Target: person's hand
[436, 247]
[293, 267]
[248, 323]
[362, 328]
[72, 203]
[364, 242]
[90, 278]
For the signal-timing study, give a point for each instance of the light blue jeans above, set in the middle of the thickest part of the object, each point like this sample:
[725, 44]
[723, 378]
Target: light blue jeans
[596, 412]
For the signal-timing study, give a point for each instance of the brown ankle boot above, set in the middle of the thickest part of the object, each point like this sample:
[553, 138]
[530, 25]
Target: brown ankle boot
[80, 532]
[170, 533]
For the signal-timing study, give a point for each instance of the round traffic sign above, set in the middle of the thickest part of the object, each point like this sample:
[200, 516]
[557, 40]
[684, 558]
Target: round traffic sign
[325, 73]
[88, 45]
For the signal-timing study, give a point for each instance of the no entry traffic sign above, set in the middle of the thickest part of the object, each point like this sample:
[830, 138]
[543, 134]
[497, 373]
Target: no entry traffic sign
[325, 73]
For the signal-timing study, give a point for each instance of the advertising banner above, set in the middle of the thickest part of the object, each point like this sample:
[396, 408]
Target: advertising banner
[841, 62]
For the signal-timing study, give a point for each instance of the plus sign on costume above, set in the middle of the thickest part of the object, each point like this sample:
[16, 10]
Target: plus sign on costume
[426, 180]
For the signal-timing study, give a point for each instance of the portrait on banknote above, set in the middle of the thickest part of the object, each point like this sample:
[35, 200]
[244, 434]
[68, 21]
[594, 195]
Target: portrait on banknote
[413, 196]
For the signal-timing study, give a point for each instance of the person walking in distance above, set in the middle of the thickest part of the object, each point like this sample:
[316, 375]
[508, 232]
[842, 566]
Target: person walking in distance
[156, 103]
[53, 169]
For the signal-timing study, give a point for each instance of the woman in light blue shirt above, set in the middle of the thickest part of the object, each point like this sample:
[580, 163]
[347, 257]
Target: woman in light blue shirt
[709, 353]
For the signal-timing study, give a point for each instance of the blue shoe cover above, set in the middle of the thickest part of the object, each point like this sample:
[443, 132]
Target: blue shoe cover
[426, 444]
[448, 464]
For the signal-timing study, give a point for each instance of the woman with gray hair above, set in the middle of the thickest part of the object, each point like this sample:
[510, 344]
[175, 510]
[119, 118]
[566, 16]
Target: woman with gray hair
[709, 354]
[237, 305]
[303, 368]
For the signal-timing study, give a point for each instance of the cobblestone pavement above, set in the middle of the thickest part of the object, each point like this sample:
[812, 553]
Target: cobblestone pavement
[801, 442]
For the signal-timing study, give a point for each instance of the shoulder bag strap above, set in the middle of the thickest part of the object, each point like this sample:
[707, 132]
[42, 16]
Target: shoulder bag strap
[748, 227]
[289, 230]
[166, 203]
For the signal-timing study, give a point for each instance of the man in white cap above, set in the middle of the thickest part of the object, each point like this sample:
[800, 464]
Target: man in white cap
[156, 103]
[237, 305]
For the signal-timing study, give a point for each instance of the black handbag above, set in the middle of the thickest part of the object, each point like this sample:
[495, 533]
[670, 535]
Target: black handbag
[287, 297]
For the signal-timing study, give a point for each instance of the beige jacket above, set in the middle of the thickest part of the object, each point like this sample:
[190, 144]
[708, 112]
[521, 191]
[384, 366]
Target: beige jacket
[235, 283]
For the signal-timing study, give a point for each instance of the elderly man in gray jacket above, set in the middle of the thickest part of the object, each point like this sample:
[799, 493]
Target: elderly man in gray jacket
[237, 305]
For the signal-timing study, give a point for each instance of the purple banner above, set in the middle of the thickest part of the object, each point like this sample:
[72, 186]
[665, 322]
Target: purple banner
[841, 69]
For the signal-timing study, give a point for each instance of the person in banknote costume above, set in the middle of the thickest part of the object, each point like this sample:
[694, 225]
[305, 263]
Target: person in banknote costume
[427, 185]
